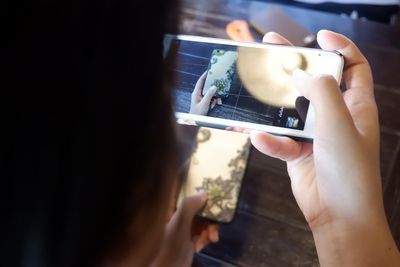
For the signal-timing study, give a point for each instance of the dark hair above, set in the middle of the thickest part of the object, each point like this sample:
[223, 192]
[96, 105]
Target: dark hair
[88, 126]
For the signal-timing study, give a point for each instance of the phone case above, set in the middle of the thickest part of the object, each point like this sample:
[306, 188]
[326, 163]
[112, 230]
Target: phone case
[221, 70]
[217, 166]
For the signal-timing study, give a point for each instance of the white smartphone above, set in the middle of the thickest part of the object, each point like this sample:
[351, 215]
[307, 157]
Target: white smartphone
[254, 83]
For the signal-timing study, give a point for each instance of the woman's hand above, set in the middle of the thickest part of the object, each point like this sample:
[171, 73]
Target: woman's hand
[185, 234]
[336, 180]
[200, 105]
[337, 176]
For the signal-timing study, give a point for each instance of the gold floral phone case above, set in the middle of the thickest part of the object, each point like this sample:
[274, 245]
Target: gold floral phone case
[221, 70]
[217, 166]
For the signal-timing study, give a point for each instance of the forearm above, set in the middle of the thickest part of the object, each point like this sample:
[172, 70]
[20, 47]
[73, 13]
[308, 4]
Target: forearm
[356, 244]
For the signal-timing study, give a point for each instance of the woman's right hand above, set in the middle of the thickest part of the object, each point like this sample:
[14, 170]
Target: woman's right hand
[336, 180]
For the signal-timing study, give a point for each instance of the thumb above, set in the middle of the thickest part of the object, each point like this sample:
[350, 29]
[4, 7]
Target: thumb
[210, 93]
[190, 207]
[331, 112]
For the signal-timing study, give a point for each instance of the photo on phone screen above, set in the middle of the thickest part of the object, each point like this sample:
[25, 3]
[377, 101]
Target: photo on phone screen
[254, 85]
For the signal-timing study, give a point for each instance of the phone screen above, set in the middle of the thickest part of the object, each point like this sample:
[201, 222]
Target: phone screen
[252, 84]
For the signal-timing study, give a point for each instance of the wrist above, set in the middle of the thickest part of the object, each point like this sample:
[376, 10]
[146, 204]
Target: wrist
[356, 243]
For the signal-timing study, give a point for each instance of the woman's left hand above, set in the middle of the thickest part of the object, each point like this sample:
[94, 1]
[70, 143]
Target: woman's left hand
[186, 234]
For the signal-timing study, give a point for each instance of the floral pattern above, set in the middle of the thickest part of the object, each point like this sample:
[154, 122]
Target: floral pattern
[223, 193]
[223, 84]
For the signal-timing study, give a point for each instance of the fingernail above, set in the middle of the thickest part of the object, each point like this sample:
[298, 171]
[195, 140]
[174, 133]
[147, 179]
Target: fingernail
[267, 37]
[254, 133]
[324, 30]
[328, 31]
[300, 74]
[271, 34]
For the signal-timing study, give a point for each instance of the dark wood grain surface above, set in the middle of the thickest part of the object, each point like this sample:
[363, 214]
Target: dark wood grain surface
[269, 229]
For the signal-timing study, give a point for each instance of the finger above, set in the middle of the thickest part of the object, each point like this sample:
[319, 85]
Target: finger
[198, 225]
[213, 103]
[210, 93]
[201, 241]
[213, 232]
[275, 38]
[280, 147]
[208, 235]
[326, 98]
[199, 85]
[364, 113]
[171, 210]
[190, 207]
[357, 73]
[359, 96]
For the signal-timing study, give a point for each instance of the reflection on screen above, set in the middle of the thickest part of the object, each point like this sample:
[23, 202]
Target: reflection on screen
[250, 84]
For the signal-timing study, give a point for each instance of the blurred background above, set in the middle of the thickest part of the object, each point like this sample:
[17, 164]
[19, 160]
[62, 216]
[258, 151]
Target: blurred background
[385, 11]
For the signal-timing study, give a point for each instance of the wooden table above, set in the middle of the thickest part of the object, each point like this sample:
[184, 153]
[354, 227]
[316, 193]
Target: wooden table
[269, 229]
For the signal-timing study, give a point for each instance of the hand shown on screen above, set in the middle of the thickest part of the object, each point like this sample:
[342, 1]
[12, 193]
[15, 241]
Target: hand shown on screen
[200, 105]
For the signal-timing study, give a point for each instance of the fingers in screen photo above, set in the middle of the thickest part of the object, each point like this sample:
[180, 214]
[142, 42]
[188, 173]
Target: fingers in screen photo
[200, 105]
